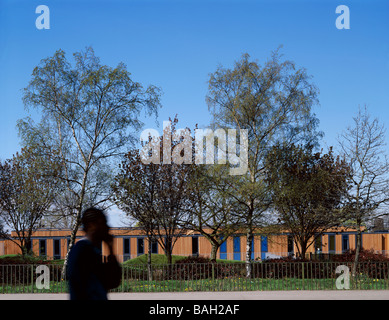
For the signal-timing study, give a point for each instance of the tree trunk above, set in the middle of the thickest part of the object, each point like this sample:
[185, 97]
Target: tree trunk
[303, 245]
[169, 258]
[357, 250]
[26, 247]
[23, 247]
[249, 237]
[249, 249]
[303, 253]
[168, 251]
[71, 243]
[214, 249]
[149, 270]
[76, 224]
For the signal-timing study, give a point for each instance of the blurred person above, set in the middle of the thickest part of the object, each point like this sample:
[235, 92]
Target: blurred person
[90, 278]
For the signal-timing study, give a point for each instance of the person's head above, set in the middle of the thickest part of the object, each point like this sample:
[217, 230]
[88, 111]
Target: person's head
[94, 223]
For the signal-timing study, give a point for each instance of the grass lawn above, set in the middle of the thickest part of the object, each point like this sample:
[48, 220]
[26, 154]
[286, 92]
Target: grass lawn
[232, 284]
[242, 284]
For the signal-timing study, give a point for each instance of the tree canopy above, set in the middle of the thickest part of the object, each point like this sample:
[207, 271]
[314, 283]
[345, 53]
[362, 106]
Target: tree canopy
[90, 114]
[308, 191]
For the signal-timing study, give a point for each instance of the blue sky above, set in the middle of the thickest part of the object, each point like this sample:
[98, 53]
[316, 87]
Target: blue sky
[176, 44]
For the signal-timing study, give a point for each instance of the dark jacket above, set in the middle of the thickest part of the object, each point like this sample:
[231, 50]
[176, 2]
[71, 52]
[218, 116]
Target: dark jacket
[88, 277]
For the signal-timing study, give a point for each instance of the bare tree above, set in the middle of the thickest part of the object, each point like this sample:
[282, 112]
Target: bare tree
[62, 213]
[363, 147]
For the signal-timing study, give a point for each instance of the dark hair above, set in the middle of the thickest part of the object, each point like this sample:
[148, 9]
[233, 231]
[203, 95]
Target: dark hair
[90, 215]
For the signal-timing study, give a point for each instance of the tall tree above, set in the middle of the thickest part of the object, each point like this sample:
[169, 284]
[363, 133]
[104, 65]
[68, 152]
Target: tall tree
[89, 114]
[273, 102]
[134, 194]
[155, 194]
[363, 146]
[308, 190]
[27, 191]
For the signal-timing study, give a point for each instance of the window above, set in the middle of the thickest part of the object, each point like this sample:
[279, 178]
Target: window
[331, 243]
[223, 249]
[236, 248]
[290, 245]
[252, 248]
[29, 246]
[154, 246]
[42, 247]
[126, 246]
[195, 246]
[141, 249]
[126, 249]
[264, 247]
[345, 243]
[56, 249]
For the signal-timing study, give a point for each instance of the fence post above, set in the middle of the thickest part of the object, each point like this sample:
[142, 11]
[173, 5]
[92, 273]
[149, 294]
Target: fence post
[32, 278]
[387, 275]
[123, 269]
[302, 276]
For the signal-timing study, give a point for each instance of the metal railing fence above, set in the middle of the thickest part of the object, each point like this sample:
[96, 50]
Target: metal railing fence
[183, 277]
[28, 278]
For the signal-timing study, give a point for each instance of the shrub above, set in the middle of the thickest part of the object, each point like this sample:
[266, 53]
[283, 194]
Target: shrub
[370, 264]
[203, 268]
[192, 259]
[364, 256]
[22, 260]
[191, 268]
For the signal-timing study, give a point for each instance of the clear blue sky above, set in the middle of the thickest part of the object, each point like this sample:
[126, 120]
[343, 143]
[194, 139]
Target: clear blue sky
[176, 44]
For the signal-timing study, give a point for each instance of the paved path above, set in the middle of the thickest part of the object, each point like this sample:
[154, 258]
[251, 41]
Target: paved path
[236, 295]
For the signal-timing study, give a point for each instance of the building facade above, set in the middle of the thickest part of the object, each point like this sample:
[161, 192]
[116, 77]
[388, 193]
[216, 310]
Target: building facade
[132, 242]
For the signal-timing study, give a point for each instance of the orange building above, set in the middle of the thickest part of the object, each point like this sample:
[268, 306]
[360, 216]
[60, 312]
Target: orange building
[132, 242]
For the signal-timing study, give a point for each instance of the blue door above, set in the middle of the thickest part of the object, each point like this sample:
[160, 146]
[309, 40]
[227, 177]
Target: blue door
[263, 247]
[223, 250]
[252, 249]
[236, 248]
